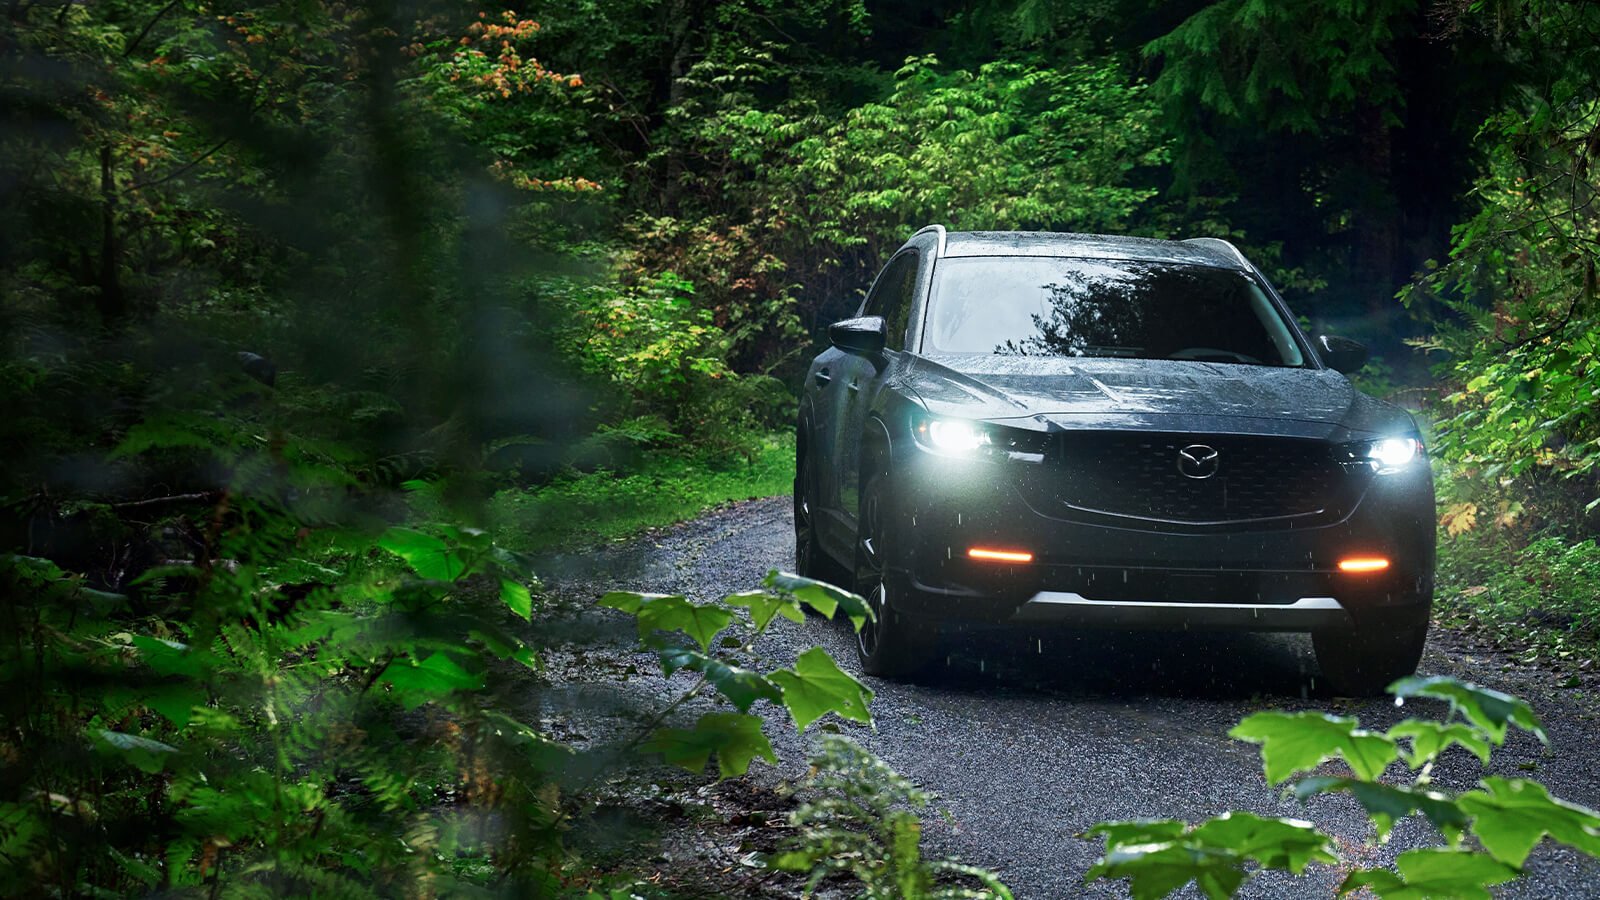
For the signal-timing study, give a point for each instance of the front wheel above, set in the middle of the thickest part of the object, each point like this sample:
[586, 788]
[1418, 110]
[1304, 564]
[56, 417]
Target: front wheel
[1364, 662]
[808, 554]
[893, 644]
[810, 560]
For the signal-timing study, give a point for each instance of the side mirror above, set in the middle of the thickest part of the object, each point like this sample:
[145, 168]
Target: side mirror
[1341, 354]
[865, 335]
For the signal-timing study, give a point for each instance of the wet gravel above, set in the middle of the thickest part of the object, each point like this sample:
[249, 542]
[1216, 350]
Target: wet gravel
[1028, 739]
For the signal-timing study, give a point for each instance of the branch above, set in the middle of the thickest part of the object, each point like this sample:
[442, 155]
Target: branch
[140, 185]
[175, 498]
[1547, 332]
[254, 105]
[143, 32]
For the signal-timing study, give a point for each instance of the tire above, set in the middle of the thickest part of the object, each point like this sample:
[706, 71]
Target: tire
[895, 645]
[808, 553]
[1364, 662]
[810, 560]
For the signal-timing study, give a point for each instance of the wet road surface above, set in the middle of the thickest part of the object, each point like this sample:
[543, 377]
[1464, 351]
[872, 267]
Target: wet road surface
[1028, 739]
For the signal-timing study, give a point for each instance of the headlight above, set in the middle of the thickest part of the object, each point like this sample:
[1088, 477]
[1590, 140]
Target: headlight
[970, 438]
[1387, 455]
[956, 435]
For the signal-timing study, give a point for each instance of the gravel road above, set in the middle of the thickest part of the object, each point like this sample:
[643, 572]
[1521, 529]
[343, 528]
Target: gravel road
[1029, 739]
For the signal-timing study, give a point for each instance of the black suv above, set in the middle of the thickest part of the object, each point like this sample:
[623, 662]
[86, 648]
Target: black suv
[1085, 430]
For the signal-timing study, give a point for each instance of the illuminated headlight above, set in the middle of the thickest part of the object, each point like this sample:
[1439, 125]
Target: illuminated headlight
[1387, 455]
[956, 435]
[969, 438]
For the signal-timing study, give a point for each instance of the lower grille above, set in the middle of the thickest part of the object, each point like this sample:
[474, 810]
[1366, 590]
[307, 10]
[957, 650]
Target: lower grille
[1267, 482]
[1187, 586]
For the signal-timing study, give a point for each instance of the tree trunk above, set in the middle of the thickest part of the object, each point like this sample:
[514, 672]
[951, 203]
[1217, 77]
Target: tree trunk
[681, 15]
[1377, 246]
[111, 301]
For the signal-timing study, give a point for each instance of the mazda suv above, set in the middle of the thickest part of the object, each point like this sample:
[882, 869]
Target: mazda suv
[1082, 430]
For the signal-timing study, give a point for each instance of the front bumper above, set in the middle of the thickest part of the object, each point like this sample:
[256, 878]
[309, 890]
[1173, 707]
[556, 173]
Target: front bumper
[1094, 574]
[1068, 608]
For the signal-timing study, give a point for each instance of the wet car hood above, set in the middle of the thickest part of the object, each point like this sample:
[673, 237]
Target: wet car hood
[1151, 394]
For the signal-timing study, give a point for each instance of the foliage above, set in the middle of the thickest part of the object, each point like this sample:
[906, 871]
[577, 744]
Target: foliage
[286, 735]
[1519, 356]
[1536, 599]
[649, 340]
[579, 509]
[257, 280]
[659, 353]
[865, 825]
[1294, 112]
[1507, 817]
[812, 687]
[288, 290]
[304, 728]
[1284, 67]
[1006, 145]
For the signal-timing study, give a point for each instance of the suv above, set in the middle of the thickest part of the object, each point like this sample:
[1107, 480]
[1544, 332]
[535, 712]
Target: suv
[1085, 430]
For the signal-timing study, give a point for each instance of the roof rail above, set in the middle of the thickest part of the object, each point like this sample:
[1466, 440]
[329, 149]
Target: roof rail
[1225, 244]
[939, 230]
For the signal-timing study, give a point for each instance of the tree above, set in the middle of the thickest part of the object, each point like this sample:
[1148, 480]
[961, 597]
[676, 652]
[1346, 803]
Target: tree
[1350, 120]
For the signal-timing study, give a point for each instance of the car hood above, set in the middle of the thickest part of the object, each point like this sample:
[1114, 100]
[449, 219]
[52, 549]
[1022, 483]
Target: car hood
[1149, 394]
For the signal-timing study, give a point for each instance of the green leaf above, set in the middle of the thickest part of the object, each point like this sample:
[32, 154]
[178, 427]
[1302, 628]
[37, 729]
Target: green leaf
[428, 556]
[701, 622]
[416, 683]
[146, 754]
[821, 596]
[131, 742]
[516, 597]
[1299, 742]
[1159, 857]
[817, 686]
[1138, 831]
[628, 601]
[742, 687]
[504, 645]
[763, 606]
[1385, 803]
[1488, 709]
[1288, 844]
[471, 538]
[1433, 872]
[1429, 739]
[176, 702]
[1511, 815]
[167, 657]
[547, 754]
[670, 612]
[1157, 870]
[735, 738]
[38, 569]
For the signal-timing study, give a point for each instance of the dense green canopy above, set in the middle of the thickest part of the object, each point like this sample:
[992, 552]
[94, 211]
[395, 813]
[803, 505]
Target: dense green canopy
[297, 296]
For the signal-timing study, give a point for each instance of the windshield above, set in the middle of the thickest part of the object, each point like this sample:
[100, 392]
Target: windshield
[1049, 306]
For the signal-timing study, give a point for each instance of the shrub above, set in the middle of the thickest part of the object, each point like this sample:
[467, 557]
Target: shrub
[865, 825]
[1506, 816]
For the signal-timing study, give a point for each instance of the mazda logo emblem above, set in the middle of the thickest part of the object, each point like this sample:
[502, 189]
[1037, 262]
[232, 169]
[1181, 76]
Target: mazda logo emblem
[1198, 461]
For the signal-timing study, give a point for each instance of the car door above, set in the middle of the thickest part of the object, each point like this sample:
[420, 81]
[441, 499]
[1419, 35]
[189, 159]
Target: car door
[862, 378]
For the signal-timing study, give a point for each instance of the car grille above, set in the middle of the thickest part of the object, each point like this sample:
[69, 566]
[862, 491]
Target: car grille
[1268, 482]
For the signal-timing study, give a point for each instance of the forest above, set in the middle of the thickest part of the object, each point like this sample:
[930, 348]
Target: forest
[326, 326]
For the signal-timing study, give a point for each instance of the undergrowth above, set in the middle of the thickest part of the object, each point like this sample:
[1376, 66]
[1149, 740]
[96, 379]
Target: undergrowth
[581, 508]
[1536, 598]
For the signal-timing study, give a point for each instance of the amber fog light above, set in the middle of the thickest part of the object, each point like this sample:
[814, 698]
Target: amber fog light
[1358, 564]
[1005, 556]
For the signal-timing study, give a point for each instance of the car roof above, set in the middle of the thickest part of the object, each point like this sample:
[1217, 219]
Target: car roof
[1197, 251]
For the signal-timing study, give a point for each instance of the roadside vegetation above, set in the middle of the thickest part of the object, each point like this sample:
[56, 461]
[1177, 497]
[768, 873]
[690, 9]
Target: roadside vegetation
[319, 320]
[577, 510]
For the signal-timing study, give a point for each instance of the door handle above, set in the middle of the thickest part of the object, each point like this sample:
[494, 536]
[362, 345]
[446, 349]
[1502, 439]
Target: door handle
[822, 377]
